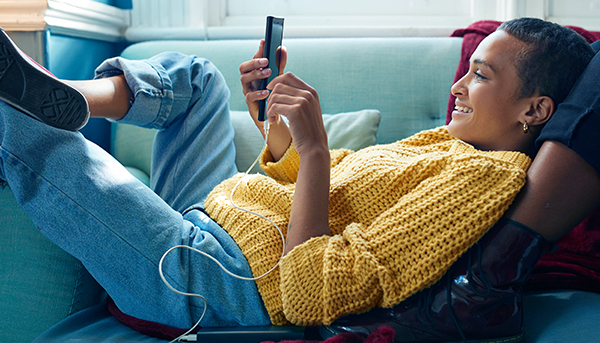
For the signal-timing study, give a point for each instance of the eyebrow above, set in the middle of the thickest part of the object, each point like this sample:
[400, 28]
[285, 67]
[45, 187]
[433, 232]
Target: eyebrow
[479, 61]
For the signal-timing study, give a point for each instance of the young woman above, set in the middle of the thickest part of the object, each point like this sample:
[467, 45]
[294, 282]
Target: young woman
[364, 230]
[518, 75]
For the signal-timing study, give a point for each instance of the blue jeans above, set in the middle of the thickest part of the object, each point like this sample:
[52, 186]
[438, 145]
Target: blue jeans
[82, 199]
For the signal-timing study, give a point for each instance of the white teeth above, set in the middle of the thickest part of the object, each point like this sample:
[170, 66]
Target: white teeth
[463, 109]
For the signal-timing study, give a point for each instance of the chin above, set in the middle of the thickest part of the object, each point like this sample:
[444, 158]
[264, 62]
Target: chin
[453, 130]
[457, 133]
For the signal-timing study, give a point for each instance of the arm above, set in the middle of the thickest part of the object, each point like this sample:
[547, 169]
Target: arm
[562, 189]
[299, 103]
[252, 72]
[310, 209]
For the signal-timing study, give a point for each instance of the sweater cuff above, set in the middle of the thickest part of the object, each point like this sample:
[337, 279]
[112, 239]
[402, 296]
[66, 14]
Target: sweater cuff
[286, 169]
[302, 282]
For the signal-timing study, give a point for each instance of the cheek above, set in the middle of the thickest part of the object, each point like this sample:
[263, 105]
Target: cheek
[489, 108]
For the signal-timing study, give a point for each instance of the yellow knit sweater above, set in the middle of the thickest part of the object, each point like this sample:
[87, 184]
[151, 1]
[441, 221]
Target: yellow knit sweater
[400, 215]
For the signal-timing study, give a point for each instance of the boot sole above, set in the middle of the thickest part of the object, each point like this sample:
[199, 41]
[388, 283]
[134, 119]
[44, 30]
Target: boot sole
[30, 89]
[328, 332]
[513, 339]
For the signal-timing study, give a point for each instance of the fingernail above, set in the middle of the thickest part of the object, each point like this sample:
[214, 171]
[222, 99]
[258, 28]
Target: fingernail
[265, 92]
[266, 71]
[263, 61]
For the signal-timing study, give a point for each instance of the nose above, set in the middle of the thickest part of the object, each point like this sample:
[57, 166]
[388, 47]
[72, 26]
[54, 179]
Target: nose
[459, 87]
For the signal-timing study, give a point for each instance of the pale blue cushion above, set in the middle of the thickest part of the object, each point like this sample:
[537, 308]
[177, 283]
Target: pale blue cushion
[350, 130]
[132, 145]
[139, 174]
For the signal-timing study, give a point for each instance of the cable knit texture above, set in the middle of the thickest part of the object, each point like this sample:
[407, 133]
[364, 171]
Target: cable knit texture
[400, 215]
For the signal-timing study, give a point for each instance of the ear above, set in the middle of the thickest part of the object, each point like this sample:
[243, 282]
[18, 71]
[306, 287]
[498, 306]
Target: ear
[542, 108]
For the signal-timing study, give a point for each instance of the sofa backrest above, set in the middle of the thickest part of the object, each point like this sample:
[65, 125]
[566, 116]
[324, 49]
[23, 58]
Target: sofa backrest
[407, 79]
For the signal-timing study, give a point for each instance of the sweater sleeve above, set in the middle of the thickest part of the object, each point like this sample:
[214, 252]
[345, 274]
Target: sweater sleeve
[286, 169]
[406, 248]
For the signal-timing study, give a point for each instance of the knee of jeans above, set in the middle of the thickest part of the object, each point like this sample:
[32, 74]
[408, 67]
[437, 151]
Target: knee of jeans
[596, 46]
[208, 76]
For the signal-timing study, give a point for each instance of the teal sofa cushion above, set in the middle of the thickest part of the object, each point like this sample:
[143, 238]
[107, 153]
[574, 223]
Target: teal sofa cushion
[40, 284]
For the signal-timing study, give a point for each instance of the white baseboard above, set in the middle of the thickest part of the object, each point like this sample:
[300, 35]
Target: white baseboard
[87, 19]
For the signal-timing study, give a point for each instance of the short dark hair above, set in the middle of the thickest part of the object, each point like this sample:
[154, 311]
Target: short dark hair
[555, 58]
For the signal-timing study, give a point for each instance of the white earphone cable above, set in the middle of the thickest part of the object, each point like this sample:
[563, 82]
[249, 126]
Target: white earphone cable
[186, 335]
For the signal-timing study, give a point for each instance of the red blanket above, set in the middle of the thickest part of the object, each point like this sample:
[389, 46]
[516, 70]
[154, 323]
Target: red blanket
[383, 334]
[576, 262]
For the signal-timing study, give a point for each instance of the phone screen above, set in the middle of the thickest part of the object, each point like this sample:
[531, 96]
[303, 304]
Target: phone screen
[273, 38]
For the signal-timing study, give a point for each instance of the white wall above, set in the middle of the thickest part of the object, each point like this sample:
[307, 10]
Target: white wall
[229, 19]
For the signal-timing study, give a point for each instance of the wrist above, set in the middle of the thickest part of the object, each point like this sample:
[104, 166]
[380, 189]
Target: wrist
[315, 153]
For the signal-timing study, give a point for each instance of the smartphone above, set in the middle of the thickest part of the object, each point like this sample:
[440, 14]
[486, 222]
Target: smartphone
[273, 38]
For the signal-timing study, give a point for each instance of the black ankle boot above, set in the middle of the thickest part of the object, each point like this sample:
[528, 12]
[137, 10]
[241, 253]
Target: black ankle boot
[478, 300]
[32, 90]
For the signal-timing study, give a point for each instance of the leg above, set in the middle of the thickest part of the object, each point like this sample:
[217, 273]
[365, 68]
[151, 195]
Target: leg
[86, 202]
[193, 150]
[107, 98]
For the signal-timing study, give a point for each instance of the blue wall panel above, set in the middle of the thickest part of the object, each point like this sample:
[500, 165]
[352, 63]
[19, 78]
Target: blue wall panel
[75, 58]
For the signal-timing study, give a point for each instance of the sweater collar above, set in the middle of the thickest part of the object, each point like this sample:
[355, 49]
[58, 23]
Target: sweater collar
[518, 158]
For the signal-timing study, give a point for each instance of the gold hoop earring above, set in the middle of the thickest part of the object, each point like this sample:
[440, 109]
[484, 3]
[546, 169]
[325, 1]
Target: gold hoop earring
[525, 128]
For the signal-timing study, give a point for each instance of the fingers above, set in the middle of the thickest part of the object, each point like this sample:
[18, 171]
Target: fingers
[291, 95]
[256, 96]
[281, 58]
[252, 74]
[256, 69]
[294, 82]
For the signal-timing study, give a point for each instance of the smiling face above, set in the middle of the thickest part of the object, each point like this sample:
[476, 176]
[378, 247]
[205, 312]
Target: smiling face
[489, 112]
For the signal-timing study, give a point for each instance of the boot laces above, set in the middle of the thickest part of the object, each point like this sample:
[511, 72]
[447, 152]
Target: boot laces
[481, 275]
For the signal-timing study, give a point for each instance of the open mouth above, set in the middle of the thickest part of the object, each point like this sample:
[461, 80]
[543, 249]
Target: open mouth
[463, 109]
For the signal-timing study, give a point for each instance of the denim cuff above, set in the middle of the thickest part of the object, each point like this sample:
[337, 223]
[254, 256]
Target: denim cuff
[151, 86]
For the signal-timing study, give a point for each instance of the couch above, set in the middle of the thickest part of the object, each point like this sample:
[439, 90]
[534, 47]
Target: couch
[373, 90]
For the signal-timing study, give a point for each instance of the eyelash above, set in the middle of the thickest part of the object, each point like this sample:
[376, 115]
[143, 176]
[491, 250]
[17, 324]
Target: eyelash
[479, 76]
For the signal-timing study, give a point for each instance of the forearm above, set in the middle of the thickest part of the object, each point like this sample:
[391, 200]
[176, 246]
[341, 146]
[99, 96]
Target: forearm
[310, 210]
[562, 189]
[279, 139]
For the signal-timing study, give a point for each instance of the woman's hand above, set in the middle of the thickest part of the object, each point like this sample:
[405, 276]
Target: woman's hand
[299, 103]
[252, 73]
